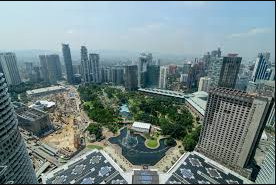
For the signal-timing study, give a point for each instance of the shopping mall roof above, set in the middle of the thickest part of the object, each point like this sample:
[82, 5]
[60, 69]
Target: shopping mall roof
[195, 168]
[94, 167]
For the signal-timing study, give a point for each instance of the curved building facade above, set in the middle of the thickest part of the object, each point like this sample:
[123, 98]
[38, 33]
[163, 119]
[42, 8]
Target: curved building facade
[13, 152]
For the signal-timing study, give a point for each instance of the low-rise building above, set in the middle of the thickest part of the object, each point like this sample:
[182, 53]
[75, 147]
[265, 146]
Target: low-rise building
[141, 127]
[33, 120]
[46, 91]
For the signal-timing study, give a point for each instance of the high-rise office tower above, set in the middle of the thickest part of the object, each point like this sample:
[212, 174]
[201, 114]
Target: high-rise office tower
[94, 61]
[13, 152]
[267, 172]
[36, 74]
[77, 69]
[8, 64]
[261, 67]
[232, 127]
[186, 68]
[51, 68]
[216, 53]
[68, 62]
[29, 68]
[195, 73]
[131, 77]
[86, 69]
[144, 61]
[214, 69]
[152, 79]
[108, 74]
[204, 84]
[163, 77]
[117, 75]
[229, 71]
[206, 59]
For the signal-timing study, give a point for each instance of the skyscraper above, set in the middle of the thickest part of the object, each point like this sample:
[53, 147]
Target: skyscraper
[214, 69]
[85, 68]
[153, 73]
[94, 61]
[144, 61]
[163, 77]
[131, 77]
[13, 152]
[260, 67]
[68, 62]
[195, 73]
[204, 84]
[233, 124]
[117, 75]
[186, 68]
[8, 65]
[51, 68]
[267, 172]
[229, 71]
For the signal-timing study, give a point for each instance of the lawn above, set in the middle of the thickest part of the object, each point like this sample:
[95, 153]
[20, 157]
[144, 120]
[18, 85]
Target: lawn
[95, 147]
[151, 143]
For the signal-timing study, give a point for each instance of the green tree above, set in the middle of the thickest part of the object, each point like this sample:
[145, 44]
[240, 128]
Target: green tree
[95, 129]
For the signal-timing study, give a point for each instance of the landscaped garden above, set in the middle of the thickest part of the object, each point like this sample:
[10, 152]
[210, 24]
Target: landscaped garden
[103, 103]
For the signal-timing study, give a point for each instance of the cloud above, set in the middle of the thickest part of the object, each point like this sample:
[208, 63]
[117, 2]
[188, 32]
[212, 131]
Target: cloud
[252, 32]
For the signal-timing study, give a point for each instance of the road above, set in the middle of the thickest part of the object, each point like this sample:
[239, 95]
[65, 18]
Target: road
[44, 155]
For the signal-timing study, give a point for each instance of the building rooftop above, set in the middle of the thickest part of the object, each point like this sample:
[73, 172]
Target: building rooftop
[42, 104]
[176, 94]
[46, 89]
[198, 100]
[29, 113]
[141, 125]
[194, 168]
[94, 167]
[234, 92]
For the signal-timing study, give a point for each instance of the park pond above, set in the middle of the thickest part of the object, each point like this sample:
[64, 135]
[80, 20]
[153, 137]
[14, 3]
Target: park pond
[135, 151]
[124, 111]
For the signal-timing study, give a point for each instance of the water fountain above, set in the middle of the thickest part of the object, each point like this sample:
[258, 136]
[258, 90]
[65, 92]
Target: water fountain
[129, 141]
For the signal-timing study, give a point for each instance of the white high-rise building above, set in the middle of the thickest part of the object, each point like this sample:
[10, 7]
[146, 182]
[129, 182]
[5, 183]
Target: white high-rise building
[267, 172]
[214, 69]
[13, 152]
[233, 122]
[163, 77]
[8, 64]
[204, 84]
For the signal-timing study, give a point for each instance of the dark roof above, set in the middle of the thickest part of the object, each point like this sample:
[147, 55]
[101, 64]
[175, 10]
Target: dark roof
[145, 177]
[196, 170]
[94, 169]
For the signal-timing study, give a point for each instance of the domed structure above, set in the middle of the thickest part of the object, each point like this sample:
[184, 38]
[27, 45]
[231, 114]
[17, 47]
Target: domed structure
[13, 153]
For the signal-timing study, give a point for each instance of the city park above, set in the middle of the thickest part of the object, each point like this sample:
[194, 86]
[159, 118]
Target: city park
[114, 109]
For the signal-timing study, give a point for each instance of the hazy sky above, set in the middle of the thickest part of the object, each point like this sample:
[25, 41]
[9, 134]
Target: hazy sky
[170, 27]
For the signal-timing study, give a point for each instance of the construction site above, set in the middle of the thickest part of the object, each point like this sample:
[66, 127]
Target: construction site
[67, 140]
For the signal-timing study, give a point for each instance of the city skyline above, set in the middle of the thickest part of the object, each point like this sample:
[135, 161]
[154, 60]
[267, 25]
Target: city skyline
[234, 27]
